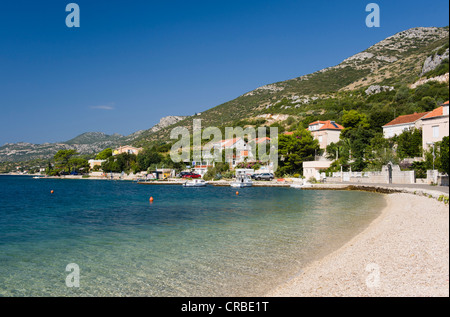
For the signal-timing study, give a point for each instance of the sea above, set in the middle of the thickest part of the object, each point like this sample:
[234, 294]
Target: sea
[103, 238]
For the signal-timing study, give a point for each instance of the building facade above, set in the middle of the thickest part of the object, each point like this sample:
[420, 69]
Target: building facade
[127, 149]
[326, 132]
[435, 126]
[402, 124]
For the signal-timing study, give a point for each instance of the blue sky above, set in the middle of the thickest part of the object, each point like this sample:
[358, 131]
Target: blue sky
[132, 62]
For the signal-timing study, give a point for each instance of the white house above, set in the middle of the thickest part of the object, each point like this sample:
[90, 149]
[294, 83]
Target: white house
[326, 132]
[242, 148]
[312, 168]
[403, 123]
[435, 126]
[127, 149]
[93, 163]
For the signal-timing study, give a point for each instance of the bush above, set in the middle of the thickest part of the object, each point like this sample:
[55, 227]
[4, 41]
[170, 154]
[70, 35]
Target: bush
[444, 199]
[313, 180]
[218, 172]
[420, 168]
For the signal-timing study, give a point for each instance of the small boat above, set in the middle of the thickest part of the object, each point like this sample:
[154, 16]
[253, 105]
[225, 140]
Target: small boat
[37, 177]
[195, 183]
[242, 181]
[305, 185]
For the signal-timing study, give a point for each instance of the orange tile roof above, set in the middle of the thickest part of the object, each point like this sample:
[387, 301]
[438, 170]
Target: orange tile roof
[288, 133]
[409, 118]
[327, 125]
[260, 140]
[331, 126]
[435, 113]
[445, 103]
[317, 122]
[228, 142]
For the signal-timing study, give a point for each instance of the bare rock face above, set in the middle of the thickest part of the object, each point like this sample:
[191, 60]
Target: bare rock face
[434, 61]
[376, 89]
[441, 79]
[166, 121]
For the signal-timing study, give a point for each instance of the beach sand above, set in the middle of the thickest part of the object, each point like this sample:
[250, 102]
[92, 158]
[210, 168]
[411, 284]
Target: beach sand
[403, 253]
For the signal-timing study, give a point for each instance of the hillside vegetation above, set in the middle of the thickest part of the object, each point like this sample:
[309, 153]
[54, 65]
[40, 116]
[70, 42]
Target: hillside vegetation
[395, 62]
[376, 82]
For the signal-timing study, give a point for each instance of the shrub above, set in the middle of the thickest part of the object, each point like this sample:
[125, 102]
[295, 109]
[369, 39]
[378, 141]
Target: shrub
[312, 180]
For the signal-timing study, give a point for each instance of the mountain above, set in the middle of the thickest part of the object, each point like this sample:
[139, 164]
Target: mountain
[94, 137]
[407, 59]
[397, 60]
[86, 143]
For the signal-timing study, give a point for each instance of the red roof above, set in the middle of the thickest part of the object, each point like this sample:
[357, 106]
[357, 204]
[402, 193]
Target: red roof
[327, 125]
[409, 118]
[228, 142]
[261, 140]
[317, 122]
[436, 112]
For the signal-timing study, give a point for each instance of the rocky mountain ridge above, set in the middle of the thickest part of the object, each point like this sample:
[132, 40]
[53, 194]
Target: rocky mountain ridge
[86, 143]
[400, 59]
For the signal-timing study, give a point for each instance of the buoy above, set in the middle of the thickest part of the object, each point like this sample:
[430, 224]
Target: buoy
[151, 199]
[237, 193]
[51, 192]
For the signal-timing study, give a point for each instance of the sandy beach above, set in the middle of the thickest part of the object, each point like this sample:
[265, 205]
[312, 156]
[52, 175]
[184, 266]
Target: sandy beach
[403, 253]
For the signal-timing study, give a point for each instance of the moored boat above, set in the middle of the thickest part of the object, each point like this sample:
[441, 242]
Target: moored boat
[242, 181]
[195, 183]
[299, 185]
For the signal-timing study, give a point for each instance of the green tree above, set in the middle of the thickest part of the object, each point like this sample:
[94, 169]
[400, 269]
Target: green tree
[147, 157]
[427, 103]
[380, 152]
[338, 150]
[402, 94]
[409, 143]
[358, 139]
[295, 149]
[379, 117]
[217, 172]
[78, 164]
[62, 158]
[352, 120]
[444, 156]
[103, 155]
[124, 162]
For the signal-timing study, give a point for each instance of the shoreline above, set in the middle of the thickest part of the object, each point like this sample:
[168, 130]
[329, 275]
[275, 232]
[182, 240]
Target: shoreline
[404, 252]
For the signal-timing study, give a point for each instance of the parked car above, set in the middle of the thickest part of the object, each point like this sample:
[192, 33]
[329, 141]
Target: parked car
[192, 175]
[264, 176]
[181, 174]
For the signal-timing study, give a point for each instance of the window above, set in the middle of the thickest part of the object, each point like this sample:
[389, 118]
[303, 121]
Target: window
[320, 139]
[435, 131]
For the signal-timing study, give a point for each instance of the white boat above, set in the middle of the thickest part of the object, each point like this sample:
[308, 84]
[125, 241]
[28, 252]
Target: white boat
[242, 181]
[305, 185]
[195, 183]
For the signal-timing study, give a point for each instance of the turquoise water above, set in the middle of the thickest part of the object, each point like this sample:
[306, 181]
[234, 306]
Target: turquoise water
[188, 242]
